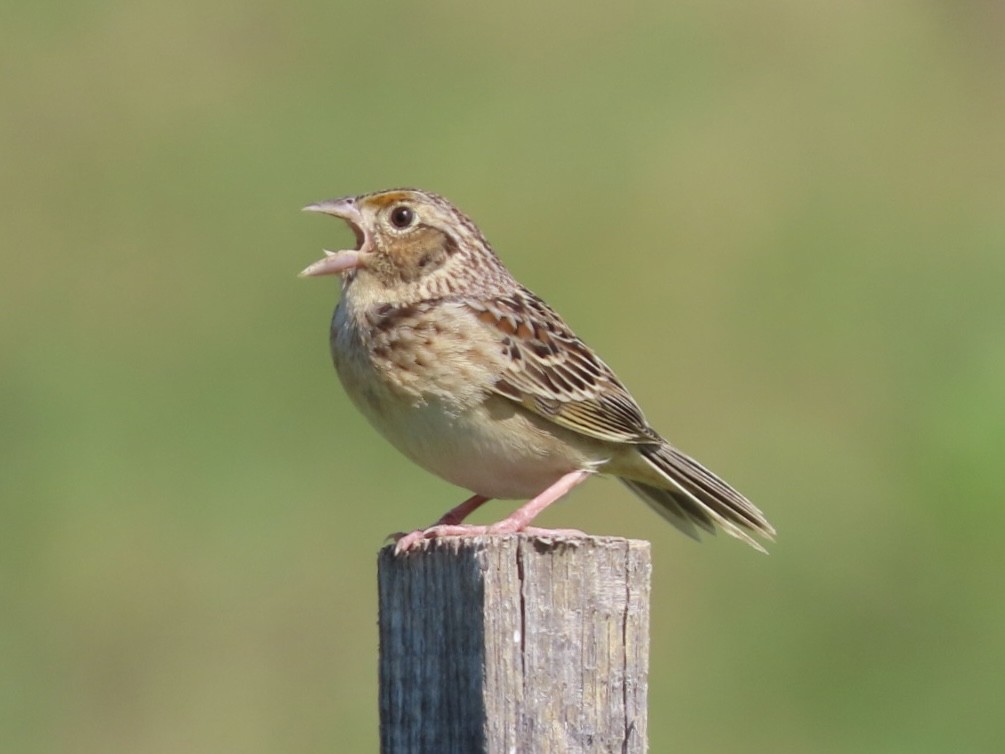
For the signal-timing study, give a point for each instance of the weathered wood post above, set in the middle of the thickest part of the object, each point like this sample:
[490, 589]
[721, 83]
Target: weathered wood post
[514, 645]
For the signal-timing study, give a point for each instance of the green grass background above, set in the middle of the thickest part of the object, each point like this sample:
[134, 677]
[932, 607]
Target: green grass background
[783, 223]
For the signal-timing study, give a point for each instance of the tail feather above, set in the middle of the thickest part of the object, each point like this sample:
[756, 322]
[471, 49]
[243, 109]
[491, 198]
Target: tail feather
[686, 517]
[695, 497]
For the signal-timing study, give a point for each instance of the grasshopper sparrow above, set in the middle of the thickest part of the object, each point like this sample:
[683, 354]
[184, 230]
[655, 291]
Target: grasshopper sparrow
[479, 381]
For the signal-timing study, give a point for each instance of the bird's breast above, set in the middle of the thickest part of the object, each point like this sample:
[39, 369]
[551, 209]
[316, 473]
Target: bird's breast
[426, 386]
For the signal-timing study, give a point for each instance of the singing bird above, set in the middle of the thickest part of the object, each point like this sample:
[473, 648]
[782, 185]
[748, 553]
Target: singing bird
[479, 381]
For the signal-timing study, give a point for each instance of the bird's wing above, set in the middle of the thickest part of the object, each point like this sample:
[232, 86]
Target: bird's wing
[550, 371]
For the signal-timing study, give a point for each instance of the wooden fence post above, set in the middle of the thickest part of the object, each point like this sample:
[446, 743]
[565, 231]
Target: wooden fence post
[514, 645]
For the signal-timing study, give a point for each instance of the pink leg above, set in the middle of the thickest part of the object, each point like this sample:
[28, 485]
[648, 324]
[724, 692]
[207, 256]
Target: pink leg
[517, 521]
[452, 517]
[462, 511]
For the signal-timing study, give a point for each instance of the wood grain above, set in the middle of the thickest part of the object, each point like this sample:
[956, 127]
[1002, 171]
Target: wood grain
[514, 644]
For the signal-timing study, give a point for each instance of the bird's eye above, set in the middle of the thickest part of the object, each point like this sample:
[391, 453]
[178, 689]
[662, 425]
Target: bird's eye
[402, 217]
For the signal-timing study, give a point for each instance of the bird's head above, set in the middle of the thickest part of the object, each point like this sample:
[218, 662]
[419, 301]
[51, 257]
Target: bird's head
[409, 243]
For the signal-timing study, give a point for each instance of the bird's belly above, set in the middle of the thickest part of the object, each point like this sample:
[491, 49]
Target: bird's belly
[495, 450]
[457, 428]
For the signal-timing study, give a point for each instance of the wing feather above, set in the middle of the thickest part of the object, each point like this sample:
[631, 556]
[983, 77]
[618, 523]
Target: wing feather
[553, 373]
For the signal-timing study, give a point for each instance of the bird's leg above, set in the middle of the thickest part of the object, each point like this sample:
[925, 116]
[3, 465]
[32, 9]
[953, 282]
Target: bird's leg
[515, 522]
[452, 517]
[457, 515]
[518, 519]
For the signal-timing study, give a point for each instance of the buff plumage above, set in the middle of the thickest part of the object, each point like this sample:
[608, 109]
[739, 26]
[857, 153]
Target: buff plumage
[479, 381]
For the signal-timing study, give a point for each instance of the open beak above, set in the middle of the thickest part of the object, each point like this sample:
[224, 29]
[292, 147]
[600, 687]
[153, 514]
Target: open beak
[338, 262]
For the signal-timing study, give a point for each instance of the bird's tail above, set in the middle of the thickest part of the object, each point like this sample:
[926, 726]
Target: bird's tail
[695, 497]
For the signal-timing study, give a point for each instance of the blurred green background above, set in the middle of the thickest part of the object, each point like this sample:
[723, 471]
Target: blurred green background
[783, 224]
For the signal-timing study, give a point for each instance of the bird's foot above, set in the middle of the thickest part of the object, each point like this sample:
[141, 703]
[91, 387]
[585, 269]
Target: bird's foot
[536, 531]
[405, 542]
